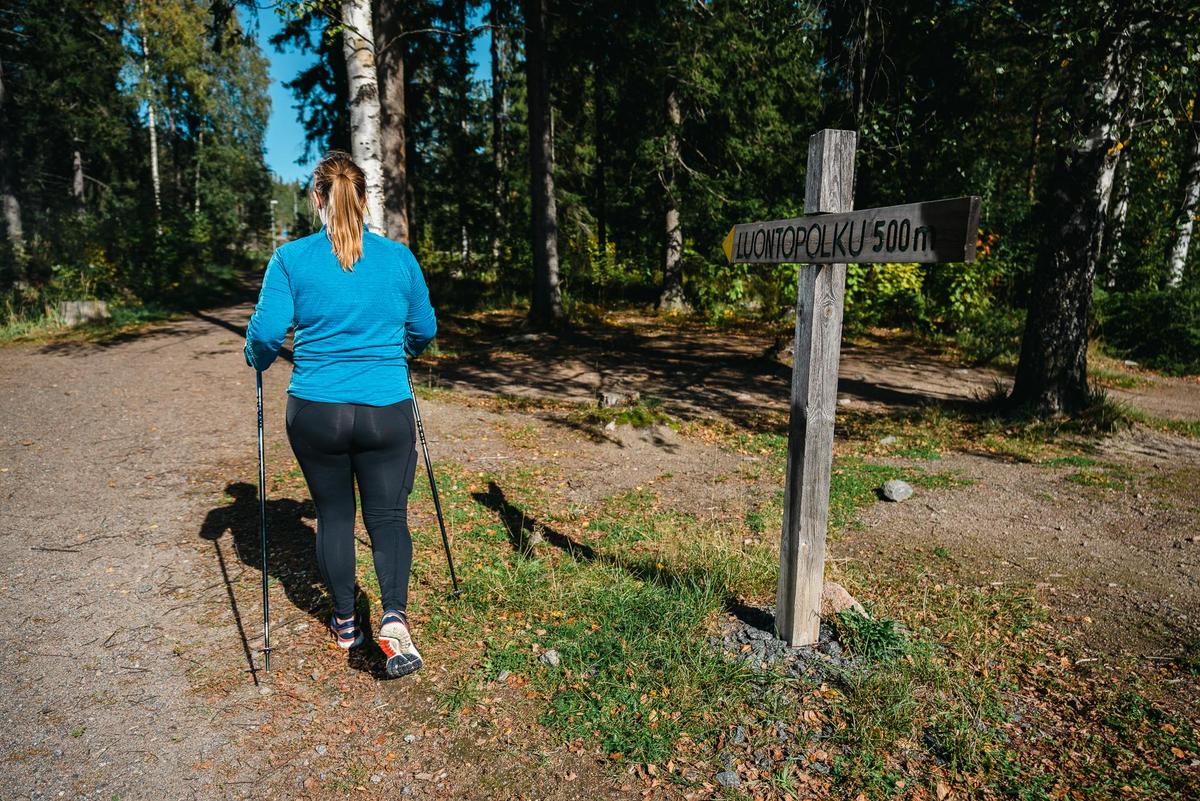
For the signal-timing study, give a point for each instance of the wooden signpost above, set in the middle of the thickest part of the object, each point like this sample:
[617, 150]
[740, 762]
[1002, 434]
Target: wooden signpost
[828, 236]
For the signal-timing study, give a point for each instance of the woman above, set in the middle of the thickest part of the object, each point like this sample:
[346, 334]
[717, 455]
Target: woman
[360, 308]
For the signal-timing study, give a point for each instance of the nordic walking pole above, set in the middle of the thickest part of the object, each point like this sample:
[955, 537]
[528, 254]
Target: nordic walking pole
[437, 504]
[262, 527]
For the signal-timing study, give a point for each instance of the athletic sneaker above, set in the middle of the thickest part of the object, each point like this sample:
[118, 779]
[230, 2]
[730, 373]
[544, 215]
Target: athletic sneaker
[346, 633]
[396, 642]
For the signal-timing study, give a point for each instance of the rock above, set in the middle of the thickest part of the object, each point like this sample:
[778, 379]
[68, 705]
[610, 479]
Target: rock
[264, 690]
[739, 734]
[897, 490]
[320, 749]
[611, 425]
[376, 778]
[74, 312]
[726, 760]
[504, 674]
[410, 738]
[530, 337]
[618, 396]
[316, 674]
[843, 401]
[550, 657]
[727, 778]
[889, 440]
[835, 598]
[833, 648]
[406, 790]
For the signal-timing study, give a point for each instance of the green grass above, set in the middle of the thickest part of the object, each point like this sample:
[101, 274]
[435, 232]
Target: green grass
[876, 640]
[642, 414]
[627, 590]
[49, 328]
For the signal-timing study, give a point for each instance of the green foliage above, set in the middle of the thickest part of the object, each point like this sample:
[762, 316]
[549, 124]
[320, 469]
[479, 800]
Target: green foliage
[873, 640]
[1159, 328]
[78, 86]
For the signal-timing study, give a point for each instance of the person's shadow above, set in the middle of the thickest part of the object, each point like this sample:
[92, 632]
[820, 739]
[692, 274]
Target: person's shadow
[291, 561]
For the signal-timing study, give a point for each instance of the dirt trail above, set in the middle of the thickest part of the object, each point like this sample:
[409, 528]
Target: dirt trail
[97, 444]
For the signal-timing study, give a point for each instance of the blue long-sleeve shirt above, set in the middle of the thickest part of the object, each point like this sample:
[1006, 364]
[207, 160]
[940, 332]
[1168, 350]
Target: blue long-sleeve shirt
[354, 330]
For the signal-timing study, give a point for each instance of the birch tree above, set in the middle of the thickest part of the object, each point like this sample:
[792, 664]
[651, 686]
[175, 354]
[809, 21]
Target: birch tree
[8, 200]
[1185, 219]
[358, 46]
[151, 123]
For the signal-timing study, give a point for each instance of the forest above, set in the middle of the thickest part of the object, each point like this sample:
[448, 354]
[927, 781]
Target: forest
[599, 156]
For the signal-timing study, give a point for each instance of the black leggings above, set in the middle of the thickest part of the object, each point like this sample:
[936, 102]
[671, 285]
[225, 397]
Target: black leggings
[335, 444]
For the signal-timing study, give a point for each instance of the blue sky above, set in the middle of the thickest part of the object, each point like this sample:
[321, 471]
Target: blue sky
[285, 136]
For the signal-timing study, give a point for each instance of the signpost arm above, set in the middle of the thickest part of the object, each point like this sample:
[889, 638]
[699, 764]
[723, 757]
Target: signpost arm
[829, 188]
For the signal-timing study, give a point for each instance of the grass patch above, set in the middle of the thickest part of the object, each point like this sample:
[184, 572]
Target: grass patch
[872, 639]
[642, 414]
[48, 328]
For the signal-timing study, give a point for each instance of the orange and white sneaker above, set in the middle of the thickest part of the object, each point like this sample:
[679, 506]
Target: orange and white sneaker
[397, 645]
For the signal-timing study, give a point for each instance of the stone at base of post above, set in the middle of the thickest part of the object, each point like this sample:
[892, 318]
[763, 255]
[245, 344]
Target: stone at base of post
[820, 293]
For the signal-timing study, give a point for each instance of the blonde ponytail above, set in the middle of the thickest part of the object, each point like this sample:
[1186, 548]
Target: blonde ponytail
[342, 188]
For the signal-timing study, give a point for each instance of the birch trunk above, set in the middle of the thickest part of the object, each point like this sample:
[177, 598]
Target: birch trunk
[389, 49]
[1185, 221]
[9, 205]
[546, 308]
[358, 45]
[196, 177]
[1052, 373]
[1116, 223]
[77, 180]
[152, 124]
[672, 298]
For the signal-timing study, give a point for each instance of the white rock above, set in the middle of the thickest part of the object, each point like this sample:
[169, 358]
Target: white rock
[897, 490]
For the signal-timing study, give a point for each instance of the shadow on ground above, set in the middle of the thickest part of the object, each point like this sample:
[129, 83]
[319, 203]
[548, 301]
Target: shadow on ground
[291, 561]
[525, 532]
[695, 370]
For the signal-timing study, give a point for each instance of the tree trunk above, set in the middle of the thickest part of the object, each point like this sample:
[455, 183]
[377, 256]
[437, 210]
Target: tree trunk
[1052, 373]
[671, 299]
[462, 146]
[600, 136]
[358, 45]
[1185, 221]
[546, 308]
[1116, 222]
[153, 126]
[77, 179]
[1035, 143]
[389, 48]
[499, 115]
[10, 207]
[196, 177]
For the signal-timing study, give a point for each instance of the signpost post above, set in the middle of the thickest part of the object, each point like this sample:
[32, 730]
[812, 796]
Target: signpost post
[827, 237]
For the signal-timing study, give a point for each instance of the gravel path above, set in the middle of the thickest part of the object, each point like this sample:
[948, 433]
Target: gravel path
[96, 447]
